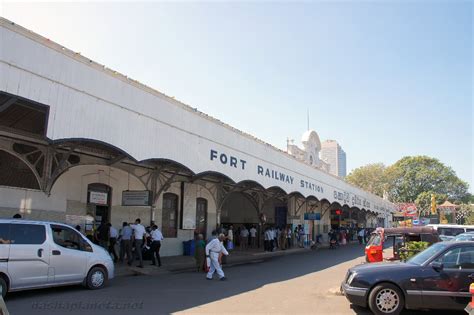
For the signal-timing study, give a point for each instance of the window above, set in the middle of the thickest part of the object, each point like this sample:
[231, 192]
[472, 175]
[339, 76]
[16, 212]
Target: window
[458, 258]
[4, 233]
[68, 238]
[448, 231]
[27, 234]
[170, 215]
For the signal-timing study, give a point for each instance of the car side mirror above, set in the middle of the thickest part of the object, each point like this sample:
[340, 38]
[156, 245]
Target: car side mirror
[437, 266]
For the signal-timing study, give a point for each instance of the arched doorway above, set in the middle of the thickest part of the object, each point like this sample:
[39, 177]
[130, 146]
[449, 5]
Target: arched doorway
[201, 217]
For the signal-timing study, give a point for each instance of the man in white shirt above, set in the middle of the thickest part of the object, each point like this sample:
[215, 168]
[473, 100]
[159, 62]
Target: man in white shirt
[244, 234]
[253, 236]
[213, 250]
[113, 235]
[230, 238]
[156, 238]
[139, 233]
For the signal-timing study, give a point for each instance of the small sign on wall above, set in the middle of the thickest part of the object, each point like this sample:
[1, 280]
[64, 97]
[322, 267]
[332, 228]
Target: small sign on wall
[98, 198]
[136, 198]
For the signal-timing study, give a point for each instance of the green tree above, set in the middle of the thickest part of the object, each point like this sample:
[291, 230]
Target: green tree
[423, 201]
[370, 178]
[413, 175]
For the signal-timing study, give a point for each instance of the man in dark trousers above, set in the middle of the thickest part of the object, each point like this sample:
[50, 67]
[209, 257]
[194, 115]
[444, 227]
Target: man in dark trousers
[102, 235]
[156, 238]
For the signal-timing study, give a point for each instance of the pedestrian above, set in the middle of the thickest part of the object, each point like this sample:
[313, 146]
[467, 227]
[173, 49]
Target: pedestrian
[126, 243]
[200, 253]
[138, 240]
[301, 233]
[103, 235]
[213, 250]
[288, 237]
[266, 240]
[282, 239]
[113, 235]
[230, 238]
[156, 238]
[360, 235]
[253, 237]
[244, 236]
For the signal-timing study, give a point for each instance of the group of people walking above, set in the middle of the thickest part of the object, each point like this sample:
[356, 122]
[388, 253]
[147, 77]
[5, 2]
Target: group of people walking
[133, 240]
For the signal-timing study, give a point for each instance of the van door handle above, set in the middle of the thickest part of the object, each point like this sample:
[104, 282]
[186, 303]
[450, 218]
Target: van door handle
[40, 252]
[56, 252]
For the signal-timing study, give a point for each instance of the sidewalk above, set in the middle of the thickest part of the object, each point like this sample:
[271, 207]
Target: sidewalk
[187, 263]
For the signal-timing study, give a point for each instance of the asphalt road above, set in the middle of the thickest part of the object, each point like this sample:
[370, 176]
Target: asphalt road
[302, 283]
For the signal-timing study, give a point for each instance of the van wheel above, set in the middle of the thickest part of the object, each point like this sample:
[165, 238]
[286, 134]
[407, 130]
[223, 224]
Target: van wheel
[386, 299]
[3, 287]
[96, 278]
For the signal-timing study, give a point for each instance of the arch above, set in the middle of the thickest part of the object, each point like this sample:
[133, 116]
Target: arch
[98, 144]
[11, 166]
[59, 175]
[218, 175]
[170, 215]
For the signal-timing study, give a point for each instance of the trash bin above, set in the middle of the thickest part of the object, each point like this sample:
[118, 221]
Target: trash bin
[186, 248]
[192, 247]
[189, 247]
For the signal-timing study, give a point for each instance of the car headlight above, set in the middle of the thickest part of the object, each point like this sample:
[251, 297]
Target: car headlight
[351, 277]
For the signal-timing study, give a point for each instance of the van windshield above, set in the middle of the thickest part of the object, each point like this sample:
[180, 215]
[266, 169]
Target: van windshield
[450, 231]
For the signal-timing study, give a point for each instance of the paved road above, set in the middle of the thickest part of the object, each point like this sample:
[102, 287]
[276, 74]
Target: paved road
[285, 285]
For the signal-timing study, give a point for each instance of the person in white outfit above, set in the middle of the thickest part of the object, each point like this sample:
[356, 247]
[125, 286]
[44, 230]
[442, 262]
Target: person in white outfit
[213, 250]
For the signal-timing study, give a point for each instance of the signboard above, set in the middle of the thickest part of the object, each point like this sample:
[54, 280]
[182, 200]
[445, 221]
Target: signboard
[312, 216]
[407, 209]
[136, 198]
[98, 198]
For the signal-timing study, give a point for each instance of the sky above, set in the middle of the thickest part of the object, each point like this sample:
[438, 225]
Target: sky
[386, 79]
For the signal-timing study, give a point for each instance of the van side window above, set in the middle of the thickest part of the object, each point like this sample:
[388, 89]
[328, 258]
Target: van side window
[4, 233]
[27, 234]
[68, 238]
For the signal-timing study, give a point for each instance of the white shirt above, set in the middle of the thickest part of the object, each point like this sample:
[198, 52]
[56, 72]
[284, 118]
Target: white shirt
[230, 235]
[113, 232]
[362, 233]
[215, 247]
[156, 235]
[244, 233]
[253, 232]
[138, 231]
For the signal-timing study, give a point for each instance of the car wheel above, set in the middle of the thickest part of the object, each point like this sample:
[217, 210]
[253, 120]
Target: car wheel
[96, 278]
[386, 299]
[3, 287]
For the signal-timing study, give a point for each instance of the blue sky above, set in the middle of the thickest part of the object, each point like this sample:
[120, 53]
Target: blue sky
[385, 79]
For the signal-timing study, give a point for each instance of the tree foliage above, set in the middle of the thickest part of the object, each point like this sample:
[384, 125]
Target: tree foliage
[413, 175]
[423, 201]
[370, 178]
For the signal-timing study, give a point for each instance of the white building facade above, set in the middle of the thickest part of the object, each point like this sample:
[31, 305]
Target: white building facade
[81, 144]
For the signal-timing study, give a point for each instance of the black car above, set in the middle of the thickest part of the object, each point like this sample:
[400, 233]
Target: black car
[437, 278]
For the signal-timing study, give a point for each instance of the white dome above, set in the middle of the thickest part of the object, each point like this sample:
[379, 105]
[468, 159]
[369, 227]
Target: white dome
[311, 137]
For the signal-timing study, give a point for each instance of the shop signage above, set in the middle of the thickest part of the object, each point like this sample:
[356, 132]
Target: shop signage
[98, 198]
[136, 198]
[312, 216]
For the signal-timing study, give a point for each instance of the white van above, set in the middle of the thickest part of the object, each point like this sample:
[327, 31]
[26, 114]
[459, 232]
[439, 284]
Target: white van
[36, 254]
[451, 230]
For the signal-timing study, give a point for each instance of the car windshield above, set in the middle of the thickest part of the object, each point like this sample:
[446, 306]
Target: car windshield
[423, 256]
